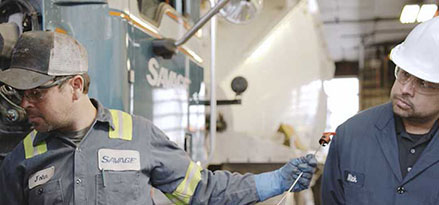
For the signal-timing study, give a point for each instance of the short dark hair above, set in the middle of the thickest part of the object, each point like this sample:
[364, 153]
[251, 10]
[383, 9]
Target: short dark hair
[84, 76]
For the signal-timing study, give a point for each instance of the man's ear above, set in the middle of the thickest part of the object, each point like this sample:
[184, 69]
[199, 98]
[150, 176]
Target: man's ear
[77, 84]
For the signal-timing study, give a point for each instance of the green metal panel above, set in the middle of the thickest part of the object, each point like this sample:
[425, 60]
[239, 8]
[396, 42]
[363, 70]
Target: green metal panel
[104, 37]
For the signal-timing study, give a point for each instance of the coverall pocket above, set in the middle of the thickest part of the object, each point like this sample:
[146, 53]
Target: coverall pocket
[118, 187]
[48, 193]
[355, 195]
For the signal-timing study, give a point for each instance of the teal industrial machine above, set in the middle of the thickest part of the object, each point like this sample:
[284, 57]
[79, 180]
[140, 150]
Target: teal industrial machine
[146, 57]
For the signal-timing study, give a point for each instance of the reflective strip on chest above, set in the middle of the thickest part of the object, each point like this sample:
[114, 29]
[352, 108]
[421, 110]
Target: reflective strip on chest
[118, 160]
[41, 177]
[123, 125]
[31, 151]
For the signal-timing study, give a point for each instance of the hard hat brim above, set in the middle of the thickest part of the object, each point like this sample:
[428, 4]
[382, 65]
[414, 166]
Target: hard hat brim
[410, 65]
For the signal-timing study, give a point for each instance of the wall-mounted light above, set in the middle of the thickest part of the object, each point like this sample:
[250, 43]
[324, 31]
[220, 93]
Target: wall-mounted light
[413, 12]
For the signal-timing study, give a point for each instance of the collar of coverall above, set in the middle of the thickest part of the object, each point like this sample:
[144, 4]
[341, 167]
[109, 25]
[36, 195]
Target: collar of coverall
[103, 116]
[385, 116]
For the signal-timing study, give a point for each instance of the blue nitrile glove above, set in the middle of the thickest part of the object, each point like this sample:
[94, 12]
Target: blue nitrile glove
[273, 183]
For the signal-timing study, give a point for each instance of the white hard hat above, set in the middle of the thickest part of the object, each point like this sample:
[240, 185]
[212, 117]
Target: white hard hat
[419, 53]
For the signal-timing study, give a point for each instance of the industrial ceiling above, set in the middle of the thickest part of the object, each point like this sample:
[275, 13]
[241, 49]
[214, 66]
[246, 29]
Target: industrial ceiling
[349, 24]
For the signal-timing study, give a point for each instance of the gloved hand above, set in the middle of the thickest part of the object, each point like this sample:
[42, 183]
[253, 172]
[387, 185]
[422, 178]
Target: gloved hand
[273, 183]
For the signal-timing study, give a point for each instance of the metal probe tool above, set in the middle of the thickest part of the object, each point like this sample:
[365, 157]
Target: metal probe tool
[324, 140]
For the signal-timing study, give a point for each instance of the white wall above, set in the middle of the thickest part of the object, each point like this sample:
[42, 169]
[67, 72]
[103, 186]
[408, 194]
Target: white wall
[285, 60]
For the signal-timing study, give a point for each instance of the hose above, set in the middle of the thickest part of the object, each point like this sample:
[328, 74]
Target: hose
[20, 112]
[29, 9]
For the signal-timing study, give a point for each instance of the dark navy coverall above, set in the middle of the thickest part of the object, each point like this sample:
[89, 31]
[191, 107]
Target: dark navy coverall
[363, 165]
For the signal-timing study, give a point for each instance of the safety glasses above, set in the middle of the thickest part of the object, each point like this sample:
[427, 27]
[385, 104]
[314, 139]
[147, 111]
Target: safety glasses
[37, 94]
[421, 86]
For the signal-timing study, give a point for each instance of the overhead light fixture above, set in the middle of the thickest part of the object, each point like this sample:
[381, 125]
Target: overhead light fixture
[427, 12]
[241, 11]
[409, 13]
[413, 12]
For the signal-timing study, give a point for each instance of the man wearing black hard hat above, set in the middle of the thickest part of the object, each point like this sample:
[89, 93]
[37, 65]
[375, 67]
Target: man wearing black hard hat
[82, 153]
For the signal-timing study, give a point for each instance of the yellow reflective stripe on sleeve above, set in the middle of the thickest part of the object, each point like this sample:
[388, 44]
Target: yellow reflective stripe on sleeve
[31, 151]
[186, 188]
[123, 125]
[174, 199]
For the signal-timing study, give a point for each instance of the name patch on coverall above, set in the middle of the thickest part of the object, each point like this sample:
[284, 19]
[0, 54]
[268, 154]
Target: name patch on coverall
[118, 160]
[41, 177]
[354, 178]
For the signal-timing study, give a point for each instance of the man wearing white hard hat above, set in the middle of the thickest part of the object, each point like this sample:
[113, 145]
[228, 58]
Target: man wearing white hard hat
[389, 154]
